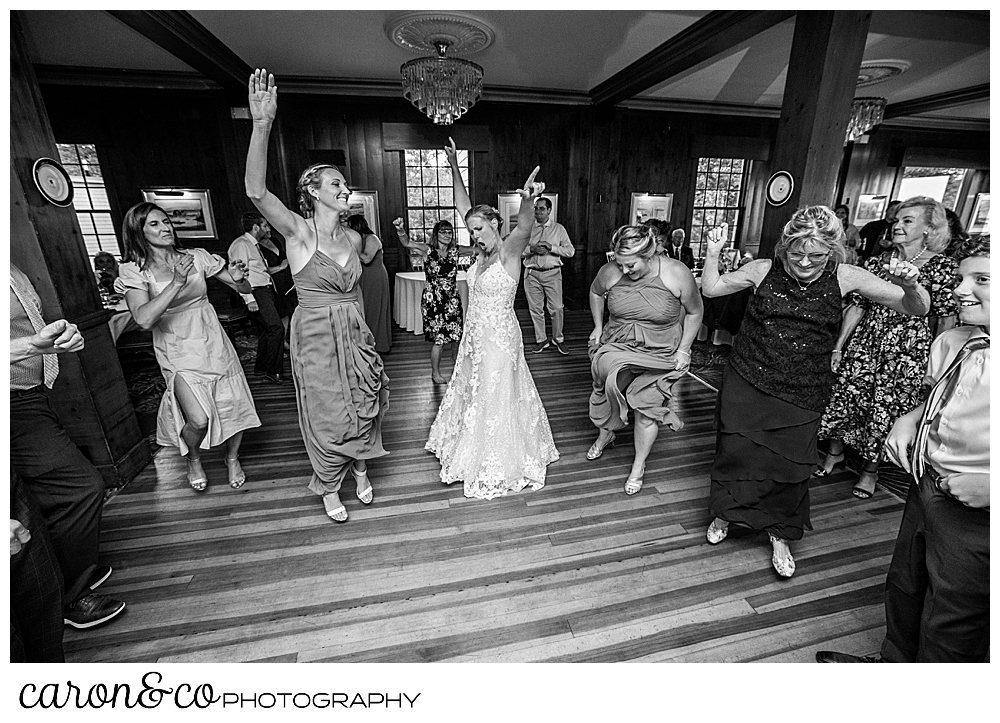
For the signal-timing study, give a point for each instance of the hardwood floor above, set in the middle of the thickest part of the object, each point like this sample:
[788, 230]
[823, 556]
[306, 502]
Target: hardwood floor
[576, 571]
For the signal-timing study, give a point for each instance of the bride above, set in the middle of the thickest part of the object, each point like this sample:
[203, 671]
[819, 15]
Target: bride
[491, 431]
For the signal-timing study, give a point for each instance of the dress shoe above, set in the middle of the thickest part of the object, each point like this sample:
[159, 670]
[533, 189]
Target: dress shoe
[829, 656]
[274, 378]
[91, 610]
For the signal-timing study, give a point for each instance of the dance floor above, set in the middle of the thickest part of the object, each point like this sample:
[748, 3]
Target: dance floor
[577, 571]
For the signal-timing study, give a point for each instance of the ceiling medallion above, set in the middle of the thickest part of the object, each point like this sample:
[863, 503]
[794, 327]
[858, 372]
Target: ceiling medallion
[878, 71]
[442, 87]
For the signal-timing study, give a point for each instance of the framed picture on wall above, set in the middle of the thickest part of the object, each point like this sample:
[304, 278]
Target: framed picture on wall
[366, 204]
[509, 203]
[870, 208]
[979, 222]
[189, 210]
[646, 206]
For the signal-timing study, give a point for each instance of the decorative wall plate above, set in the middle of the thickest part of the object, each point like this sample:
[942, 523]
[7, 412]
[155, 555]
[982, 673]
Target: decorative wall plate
[779, 188]
[53, 182]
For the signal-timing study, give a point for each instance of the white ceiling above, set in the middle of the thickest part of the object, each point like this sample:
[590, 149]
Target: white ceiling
[541, 50]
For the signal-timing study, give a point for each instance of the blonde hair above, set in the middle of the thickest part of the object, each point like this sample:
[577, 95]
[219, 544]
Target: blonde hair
[934, 216]
[311, 178]
[635, 240]
[813, 223]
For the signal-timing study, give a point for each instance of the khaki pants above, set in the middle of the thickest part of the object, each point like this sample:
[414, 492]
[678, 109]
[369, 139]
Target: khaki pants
[543, 289]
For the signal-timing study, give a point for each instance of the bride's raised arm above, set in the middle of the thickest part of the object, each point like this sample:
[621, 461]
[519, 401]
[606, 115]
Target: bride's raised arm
[462, 201]
[516, 242]
[263, 96]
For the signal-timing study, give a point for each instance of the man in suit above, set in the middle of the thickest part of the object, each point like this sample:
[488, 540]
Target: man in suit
[874, 232]
[937, 592]
[263, 302]
[679, 250]
[543, 259]
[65, 486]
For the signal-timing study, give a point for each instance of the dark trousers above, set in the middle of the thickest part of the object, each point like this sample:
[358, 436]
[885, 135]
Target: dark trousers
[271, 342]
[36, 587]
[68, 490]
[937, 593]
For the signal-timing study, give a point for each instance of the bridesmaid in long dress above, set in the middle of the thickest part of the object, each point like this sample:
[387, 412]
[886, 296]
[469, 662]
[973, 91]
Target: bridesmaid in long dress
[207, 400]
[654, 313]
[340, 384]
[374, 284]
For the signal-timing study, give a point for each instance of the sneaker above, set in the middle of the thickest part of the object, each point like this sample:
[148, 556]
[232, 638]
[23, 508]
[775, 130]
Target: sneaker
[101, 573]
[91, 610]
[559, 347]
[541, 346]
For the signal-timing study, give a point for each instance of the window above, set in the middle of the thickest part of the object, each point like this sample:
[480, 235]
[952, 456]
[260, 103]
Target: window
[718, 198]
[941, 184]
[429, 194]
[90, 198]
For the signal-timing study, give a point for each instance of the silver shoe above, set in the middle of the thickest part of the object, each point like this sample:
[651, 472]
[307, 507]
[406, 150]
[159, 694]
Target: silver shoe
[716, 534]
[785, 567]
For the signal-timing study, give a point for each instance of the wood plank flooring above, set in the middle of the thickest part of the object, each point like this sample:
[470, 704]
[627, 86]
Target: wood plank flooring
[576, 571]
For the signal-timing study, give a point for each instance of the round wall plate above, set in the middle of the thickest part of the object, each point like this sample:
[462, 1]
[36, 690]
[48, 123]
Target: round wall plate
[53, 182]
[779, 188]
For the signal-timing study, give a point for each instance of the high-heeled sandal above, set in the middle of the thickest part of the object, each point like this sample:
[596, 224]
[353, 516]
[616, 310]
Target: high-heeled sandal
[860, 491]
[784, 566]
[337, 514]
[633, 485]
[198, 484]
[829, 464]
[367, 496]
[596, 449]
[238, 480]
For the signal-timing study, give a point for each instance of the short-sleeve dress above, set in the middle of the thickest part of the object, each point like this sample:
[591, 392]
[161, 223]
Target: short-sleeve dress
[189, 342]
[440, 303]
[882, 371]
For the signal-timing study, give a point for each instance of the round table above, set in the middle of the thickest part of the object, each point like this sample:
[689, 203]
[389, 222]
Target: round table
[406, 302]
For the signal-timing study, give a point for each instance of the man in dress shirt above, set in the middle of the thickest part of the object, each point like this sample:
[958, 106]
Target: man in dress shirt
[679, 250]
[263, 302]
[66, 488]
[548, 246]
[937, 593]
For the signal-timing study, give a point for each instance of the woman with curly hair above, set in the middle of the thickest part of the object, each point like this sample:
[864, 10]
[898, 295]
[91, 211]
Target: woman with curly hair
[340, 386]
[440, 303]
[880, 371]
[777, 380]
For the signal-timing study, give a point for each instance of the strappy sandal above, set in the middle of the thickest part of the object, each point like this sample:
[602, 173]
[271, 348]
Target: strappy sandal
[633, 485]
[198, 484]
[784, 566]
[829, 464]
[337, 514]
[860, 491]
[369, 494]
[238, 480]
[596, 450]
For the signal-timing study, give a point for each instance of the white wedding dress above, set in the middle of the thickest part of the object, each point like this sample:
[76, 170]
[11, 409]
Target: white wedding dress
[491, 431]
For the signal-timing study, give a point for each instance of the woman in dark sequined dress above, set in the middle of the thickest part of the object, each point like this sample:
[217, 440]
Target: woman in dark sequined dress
[778, 378]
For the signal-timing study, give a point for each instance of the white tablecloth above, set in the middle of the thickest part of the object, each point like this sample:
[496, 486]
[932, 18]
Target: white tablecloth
[406, 304]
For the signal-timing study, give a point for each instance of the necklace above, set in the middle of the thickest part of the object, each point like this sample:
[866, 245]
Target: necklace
[923, 250]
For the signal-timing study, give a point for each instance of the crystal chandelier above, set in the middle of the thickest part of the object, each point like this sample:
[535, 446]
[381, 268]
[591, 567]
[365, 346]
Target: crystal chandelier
[866, 113]
[441, 87]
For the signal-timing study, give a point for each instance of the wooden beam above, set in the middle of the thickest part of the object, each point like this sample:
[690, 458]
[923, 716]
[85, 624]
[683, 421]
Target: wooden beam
[177, 32]
[715, 33]
[938, 101]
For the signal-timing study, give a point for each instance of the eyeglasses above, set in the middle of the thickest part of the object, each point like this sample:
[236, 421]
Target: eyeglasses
[813, 258]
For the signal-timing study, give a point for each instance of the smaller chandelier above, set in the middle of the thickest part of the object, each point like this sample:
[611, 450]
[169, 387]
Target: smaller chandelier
[441, 87]
[866, 113]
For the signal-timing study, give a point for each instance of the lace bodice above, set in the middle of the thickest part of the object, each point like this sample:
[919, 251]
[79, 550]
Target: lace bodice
[491, 291]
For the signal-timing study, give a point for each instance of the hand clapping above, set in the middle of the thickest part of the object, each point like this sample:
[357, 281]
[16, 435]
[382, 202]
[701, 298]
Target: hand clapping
[238, 270]
[182, 268]
[263, 96]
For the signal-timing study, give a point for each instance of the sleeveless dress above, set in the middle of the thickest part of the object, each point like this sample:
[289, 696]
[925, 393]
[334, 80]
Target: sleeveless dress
[340, 386]
[190, 343]
[440, 303]
[774, 388]
[491, 431]
[634, 367]
[377, 305]
[881, 375]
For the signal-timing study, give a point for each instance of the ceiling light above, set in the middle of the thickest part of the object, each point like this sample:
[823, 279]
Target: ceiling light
[866, 113]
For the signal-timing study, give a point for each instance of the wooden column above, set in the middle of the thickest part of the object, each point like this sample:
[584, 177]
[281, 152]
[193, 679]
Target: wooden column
[826, 55]
[90, 396]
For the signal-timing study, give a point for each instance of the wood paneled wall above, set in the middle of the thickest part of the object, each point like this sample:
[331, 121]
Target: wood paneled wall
[594, 158]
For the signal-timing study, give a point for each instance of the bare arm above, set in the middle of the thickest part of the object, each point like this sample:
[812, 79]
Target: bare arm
[263, 95]
[234, 276]
[462, 201]
[747, 276]
[147, 311]
[904, 294]
[518, 238]
[58, 337]
[370, 246]
[607, 276]
[852, 317]
[680, 278]
[405, 240]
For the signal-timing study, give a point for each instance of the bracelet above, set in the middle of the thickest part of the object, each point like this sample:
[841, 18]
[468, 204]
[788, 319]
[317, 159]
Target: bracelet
[681, 351]
[838, 351]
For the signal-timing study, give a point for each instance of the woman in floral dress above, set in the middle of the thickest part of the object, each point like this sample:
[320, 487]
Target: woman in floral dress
[881, 370]
[440, 304]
